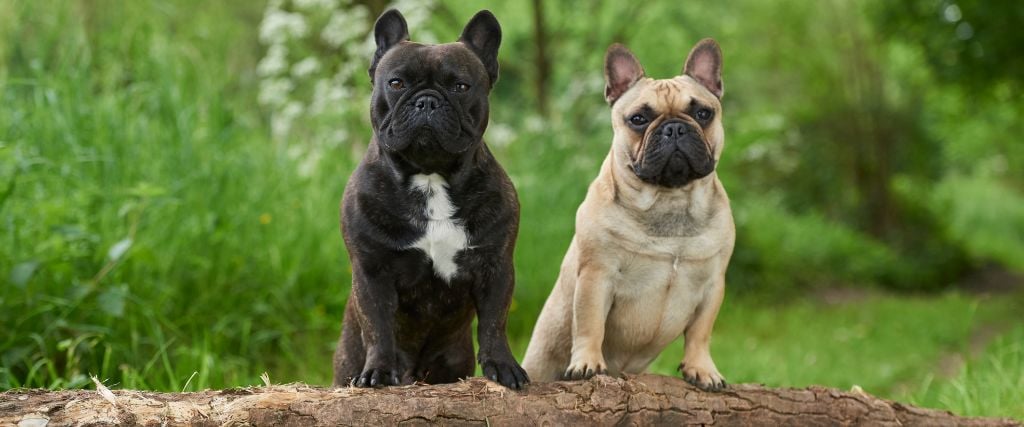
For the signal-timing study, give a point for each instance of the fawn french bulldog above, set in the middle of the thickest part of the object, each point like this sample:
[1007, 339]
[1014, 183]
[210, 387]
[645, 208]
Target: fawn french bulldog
[653, 236]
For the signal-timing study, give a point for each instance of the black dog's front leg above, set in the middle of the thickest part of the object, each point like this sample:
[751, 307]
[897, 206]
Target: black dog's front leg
[377, 300]
[492, 294]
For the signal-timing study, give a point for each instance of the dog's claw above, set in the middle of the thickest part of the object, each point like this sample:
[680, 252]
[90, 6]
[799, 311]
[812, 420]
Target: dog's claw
[377, 377]
[704, 379]
[508, 374]
[582, 371]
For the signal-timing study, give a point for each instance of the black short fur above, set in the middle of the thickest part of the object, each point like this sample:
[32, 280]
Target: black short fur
[402, 322]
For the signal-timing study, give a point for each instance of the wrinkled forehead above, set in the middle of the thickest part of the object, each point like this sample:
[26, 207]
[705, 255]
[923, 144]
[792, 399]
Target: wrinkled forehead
[417, 58]
[667, 96]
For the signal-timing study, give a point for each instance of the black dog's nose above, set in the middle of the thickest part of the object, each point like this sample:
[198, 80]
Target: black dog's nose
[427, 103]
[673, 129]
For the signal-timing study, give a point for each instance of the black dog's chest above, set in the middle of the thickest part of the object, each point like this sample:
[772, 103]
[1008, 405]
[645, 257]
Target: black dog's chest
[443, 235]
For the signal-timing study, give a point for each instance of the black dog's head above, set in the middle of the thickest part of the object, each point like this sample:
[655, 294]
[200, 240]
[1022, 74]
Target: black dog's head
[429, 102]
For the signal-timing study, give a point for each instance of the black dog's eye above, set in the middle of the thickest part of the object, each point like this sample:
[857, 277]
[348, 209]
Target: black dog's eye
[638, 120]
[461, 87]
[704, 114]
[396, 84]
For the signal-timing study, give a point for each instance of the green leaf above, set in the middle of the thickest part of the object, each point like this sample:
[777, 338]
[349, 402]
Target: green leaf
[23, 272]
[118, 249]
[147, 190]
[111, 301]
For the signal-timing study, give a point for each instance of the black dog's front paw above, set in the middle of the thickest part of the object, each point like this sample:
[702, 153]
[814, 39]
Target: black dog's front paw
[508, 374]
[377, 377]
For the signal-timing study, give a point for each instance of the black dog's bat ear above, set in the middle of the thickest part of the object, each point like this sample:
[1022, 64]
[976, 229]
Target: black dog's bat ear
[704, 64]
[483, 36]
[389, 30]
[621, 70]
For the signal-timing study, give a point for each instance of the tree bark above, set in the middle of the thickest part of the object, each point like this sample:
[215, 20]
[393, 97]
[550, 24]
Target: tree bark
[637, 400]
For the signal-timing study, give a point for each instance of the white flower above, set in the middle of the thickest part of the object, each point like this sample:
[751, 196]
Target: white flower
[319, 91]
[274, 92]
[416, 12]
[294, 152]
[348, 69]
[755, 152]
[281, 122]
[500, 135]
[345, 25]
[275, 62]
[321, 96]
[534, 124]
[336, 138]
[316, 4]
[279, 26]
[293, 109]
[314, 96]
[305, 67]
[329, 97]
[364, 49]
[310, 162]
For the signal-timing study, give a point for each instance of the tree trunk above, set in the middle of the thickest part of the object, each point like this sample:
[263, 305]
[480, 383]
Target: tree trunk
[541, 62]
[638, 400]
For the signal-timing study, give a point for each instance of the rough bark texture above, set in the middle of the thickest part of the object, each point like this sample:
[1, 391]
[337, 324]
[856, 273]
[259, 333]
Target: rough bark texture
[639, 400]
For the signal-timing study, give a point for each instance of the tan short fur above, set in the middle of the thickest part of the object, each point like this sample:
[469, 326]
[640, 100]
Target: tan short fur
[647, 263]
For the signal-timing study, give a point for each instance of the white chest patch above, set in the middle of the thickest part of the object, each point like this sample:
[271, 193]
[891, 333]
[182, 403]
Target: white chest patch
[444, 236]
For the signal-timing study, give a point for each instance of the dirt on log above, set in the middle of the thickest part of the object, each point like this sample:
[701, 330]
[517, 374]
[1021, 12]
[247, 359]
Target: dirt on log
[636, 400]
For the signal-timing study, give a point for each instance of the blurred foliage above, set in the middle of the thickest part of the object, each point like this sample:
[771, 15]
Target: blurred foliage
[170, 175]
[969, 42]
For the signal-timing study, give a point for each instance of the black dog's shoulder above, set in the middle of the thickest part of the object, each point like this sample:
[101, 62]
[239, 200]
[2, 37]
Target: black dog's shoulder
[376, 209]
[489, 204]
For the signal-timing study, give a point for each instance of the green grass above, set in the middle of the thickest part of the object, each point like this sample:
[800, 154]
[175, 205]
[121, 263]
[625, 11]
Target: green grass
[152, 230]
[235, 265]
[889, 345]
[991, 383]
[877, 342]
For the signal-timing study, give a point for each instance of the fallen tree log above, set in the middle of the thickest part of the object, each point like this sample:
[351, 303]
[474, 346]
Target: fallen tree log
[637, 400]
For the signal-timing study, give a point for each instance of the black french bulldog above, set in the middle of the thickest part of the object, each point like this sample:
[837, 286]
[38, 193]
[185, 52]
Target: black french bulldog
[429, 218]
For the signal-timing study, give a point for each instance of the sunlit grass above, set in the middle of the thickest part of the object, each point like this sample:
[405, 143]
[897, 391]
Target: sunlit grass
[991, 383]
